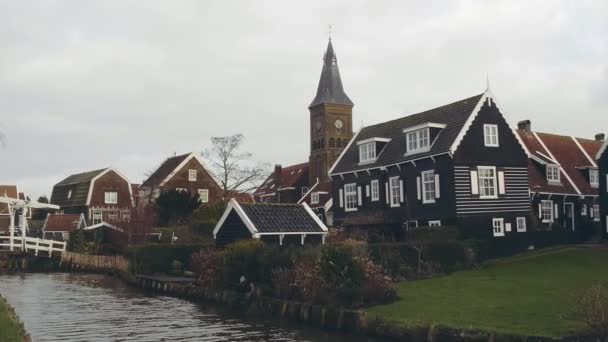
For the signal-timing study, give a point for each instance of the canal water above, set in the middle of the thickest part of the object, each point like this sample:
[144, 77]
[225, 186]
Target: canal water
[87, 307]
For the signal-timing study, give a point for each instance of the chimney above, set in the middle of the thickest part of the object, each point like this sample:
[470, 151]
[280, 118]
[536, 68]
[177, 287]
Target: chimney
[278, 171]
[600, 137]
[525, 125]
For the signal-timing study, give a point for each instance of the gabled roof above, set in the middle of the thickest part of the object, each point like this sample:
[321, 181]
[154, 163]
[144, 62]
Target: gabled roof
[170, 167]
[9, 191]
[330, 89]
[270, 219]
[573, 155]
[290, 176]
[324, 191]
[602, 149]
[64, 222]
[77, 189]
[455, 116]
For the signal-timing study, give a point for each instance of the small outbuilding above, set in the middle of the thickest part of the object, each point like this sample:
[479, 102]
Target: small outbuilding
[60, 226]
[280, 224]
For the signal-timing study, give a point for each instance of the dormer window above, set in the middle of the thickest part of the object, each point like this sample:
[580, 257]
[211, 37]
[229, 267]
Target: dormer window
[490, 135]
[419, 138]
[594, 178]
[367, 152]
[314, 198]
[553, 174]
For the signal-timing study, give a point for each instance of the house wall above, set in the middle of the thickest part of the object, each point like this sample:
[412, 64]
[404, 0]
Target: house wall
[233, 229]
[602, 164]
[203, 181]
[111, 181]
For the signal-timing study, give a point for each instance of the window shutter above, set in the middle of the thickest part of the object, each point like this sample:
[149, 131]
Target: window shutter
[474, 183]
[418, 193]
[341, 195]
[437, 191]
[359, 199]
[555, 212]
[401, 190]
[591, 212]
[540, 210]
[367, 191]
[386, 192]
[501, 182]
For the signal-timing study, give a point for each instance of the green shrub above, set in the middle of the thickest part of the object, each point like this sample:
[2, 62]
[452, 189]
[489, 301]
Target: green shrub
[157, 258]
[342, 271]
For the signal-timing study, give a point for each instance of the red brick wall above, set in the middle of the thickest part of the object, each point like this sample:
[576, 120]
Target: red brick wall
[111, 181]
[203, 181]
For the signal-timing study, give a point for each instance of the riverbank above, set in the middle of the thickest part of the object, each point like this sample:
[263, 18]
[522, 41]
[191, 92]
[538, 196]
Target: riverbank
[11, 328]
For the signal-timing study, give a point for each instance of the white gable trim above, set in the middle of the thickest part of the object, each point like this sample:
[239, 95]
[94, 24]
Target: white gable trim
[328, 205]
[308, 192]
[602, 150]
[234, 205]
[314, 217]
[92, 185]
[104, 224]
[560, 166]
[584, 152]
[331, 170]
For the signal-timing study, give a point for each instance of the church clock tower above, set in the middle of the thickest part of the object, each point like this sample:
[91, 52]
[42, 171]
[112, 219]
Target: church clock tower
[331, 114]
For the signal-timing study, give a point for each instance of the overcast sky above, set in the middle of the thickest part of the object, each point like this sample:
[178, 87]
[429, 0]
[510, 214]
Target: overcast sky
[90, 84]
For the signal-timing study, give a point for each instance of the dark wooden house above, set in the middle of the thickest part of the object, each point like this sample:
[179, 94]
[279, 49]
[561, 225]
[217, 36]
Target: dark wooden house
[459, 164]
[602, 163]
[278, 224]
[101, 195]
[185, 172]
[563, 178]
[284, 185]
[318, 198]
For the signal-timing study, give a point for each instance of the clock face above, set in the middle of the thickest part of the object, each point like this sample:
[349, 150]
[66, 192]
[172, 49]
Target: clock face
[339, 124]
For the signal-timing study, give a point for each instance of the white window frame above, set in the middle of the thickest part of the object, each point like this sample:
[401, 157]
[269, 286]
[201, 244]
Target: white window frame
[490, 135]
[69, 194]
[521, 224]
[435, 223]
[314, 198]
[500, 224]
[418, 141]
[192, 175]
[181, 189]
[375, 190]
[350, 197]
[428, 187]
[494, 180]
[367, 152]
[394, 187]
[553, 174]
[546, 207]
[96, 216]
[203, 195]
[596, 213]
[584, 209]
[110, 197]
[594, 178]
[303, 191]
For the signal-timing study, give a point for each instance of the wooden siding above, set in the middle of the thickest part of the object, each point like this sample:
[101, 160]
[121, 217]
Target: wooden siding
[203, 181]
[515, 199]
[111, 181]
[233, 229]
[602, 164]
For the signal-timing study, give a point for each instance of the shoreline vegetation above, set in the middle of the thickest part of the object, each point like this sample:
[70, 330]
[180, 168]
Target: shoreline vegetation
[11, 329]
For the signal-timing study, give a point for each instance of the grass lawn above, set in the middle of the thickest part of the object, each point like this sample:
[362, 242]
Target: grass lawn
[9, 328]
[528, 294]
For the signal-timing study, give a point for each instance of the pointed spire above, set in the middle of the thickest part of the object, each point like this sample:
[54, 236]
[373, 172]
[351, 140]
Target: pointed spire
[487, 81]
[330, 89]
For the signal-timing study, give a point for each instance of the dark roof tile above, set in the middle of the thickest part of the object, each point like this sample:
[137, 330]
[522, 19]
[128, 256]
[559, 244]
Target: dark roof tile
[281, 218]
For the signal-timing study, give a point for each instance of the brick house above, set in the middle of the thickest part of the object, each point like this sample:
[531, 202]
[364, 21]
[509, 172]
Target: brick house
[101, 195]
[186, 172]
[284, 185]
[9, 191]
[59, 226]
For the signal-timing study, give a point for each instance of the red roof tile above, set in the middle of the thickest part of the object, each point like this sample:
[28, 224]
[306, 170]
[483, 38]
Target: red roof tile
[290, 176]
[61, 223]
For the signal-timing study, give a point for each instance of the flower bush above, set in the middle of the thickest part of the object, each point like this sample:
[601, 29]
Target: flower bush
[205, 264]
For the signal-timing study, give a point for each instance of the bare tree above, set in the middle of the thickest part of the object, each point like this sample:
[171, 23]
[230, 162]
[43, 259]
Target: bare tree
[233, 168]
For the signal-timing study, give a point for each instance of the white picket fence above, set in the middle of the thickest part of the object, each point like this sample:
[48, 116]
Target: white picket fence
[32, 245]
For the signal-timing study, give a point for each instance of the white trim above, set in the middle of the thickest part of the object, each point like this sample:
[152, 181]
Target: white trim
[502, 226]
[329, 173]
[487, 94]
[424, 125]
[485, 143]
[92, 185]
[561, 168]
[183, 163]
[356, 192]
[314, 217]
[290, 233]
[328, 205]
[309, 191]
[601, 151]
[390, 188]
[493, 168]
[234, 205]
[584, 152]
[519, 228]
[103, 223]
[435, 223]
[385, 167]
[423, 190]
[377, 182]
[385, 140]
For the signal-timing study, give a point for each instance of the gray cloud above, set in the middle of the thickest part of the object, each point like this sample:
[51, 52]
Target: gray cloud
[86, 84]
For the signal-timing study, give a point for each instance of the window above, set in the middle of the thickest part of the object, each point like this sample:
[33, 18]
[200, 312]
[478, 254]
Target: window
[203, 195]
[375, 190]
[69, 194]
[521, 224]
[395, 188]
[428, 187]
[112, 216]
[181, 189]
[490, 135]
[314, 198]
[367, 152]
[418, 141]
[96, 216]
[111, 197]
[303, 191]
[594, 178]
[192, 175]
[350, 197]
[596, 212]
[487, 181]
[553, 174]
[498, 225]
[435, 223]
[584, 210]
[546, 211]
[126, 215]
